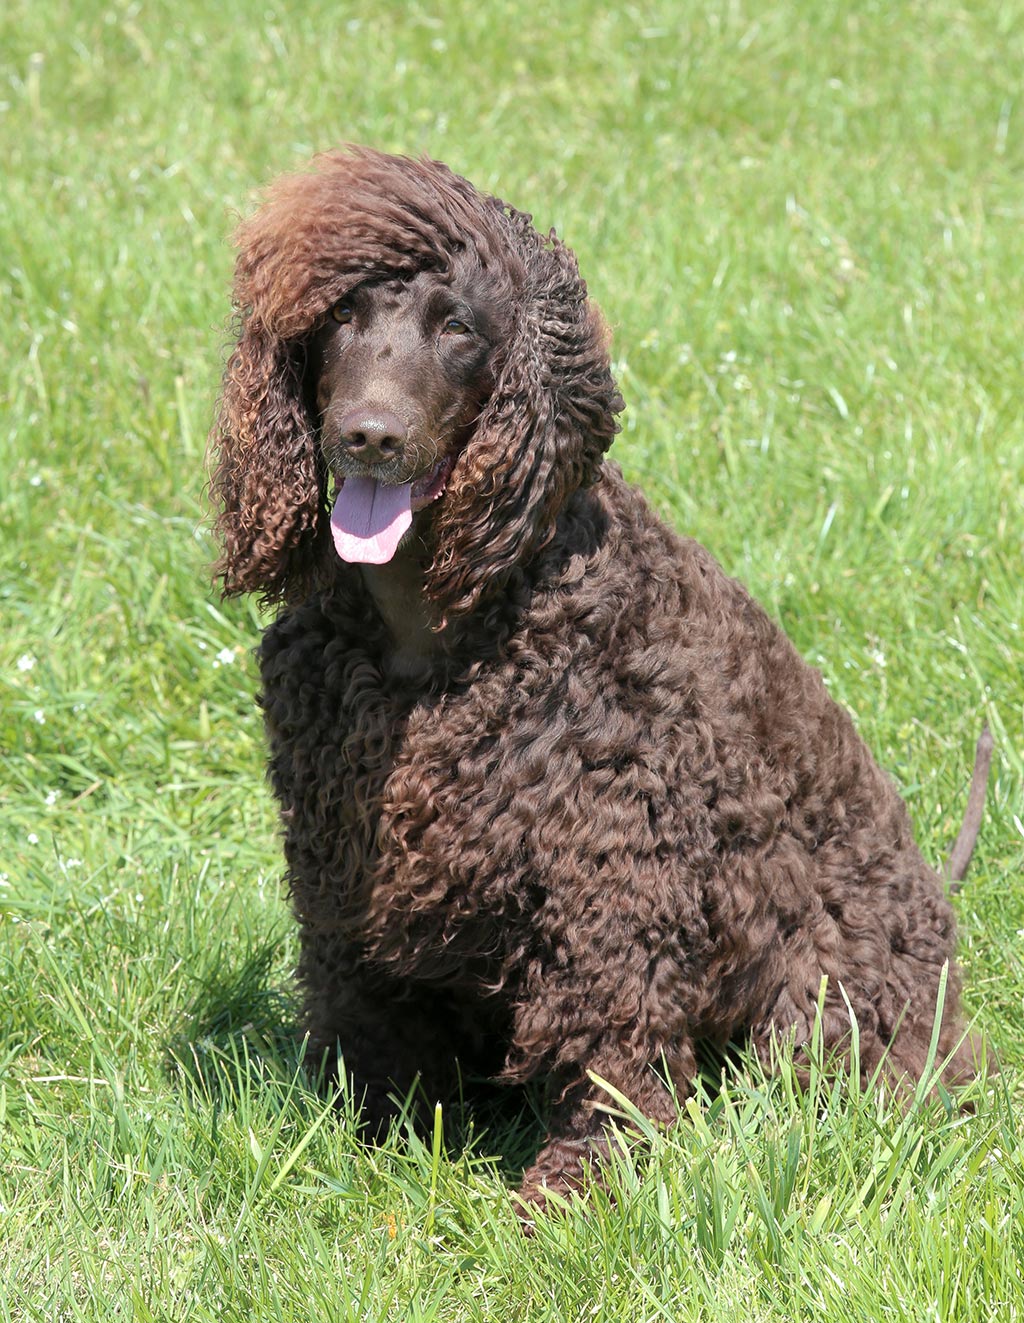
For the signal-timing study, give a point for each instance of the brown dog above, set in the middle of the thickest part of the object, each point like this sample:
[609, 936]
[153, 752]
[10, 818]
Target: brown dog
[558, 796]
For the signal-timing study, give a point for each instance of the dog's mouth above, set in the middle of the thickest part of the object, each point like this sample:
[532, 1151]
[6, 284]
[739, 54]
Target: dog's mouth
[370, 517]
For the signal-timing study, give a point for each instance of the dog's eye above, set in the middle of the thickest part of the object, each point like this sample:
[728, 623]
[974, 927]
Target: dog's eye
[454, 327]
[343, 312]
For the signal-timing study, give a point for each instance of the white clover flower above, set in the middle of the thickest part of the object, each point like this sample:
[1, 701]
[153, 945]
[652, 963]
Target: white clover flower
[32, 838]
[26, 662]
[51, 797]
[40, 716]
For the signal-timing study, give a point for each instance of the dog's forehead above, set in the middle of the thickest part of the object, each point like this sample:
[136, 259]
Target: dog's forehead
[392, 296]
[397, 293]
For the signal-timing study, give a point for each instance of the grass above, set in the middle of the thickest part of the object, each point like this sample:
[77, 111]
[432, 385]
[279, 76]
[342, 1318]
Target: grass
[803, 222]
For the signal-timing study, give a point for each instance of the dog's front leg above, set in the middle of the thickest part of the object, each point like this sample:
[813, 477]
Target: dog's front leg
[606, 1000]
[388, 1038]
[577, 1138]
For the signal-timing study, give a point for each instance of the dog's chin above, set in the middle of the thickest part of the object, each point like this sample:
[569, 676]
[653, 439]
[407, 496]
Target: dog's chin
[418, 538]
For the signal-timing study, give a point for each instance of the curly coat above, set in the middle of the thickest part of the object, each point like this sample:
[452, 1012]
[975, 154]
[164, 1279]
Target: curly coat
[617, 813]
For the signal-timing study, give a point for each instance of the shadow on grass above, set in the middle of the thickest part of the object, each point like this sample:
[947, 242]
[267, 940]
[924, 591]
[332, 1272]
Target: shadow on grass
[240, 1034]
[507, 1122]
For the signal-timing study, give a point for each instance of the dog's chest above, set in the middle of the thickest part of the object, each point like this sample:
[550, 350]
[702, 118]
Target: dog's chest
[401, 818]
[453, 864]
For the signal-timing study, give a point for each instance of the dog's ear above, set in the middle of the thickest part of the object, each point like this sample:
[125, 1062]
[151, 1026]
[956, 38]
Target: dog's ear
[550, 418]
[267, 478]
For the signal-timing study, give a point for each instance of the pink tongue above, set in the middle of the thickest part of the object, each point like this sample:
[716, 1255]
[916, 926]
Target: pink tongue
[369, 519]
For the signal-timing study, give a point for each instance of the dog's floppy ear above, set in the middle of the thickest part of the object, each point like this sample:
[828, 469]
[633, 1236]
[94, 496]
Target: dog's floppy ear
[549, 420]
[267, 478]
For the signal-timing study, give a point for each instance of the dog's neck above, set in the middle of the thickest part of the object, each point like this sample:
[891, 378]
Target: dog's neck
[397, 589]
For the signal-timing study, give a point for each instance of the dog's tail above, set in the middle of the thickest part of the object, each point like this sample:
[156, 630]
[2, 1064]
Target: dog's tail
[963, 846]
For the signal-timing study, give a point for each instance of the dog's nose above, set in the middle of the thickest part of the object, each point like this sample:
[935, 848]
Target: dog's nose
[373, 436]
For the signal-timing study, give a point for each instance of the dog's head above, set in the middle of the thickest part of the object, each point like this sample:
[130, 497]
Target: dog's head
[412, 358]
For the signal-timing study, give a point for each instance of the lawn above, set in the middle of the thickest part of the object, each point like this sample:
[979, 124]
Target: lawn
[805, 225]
